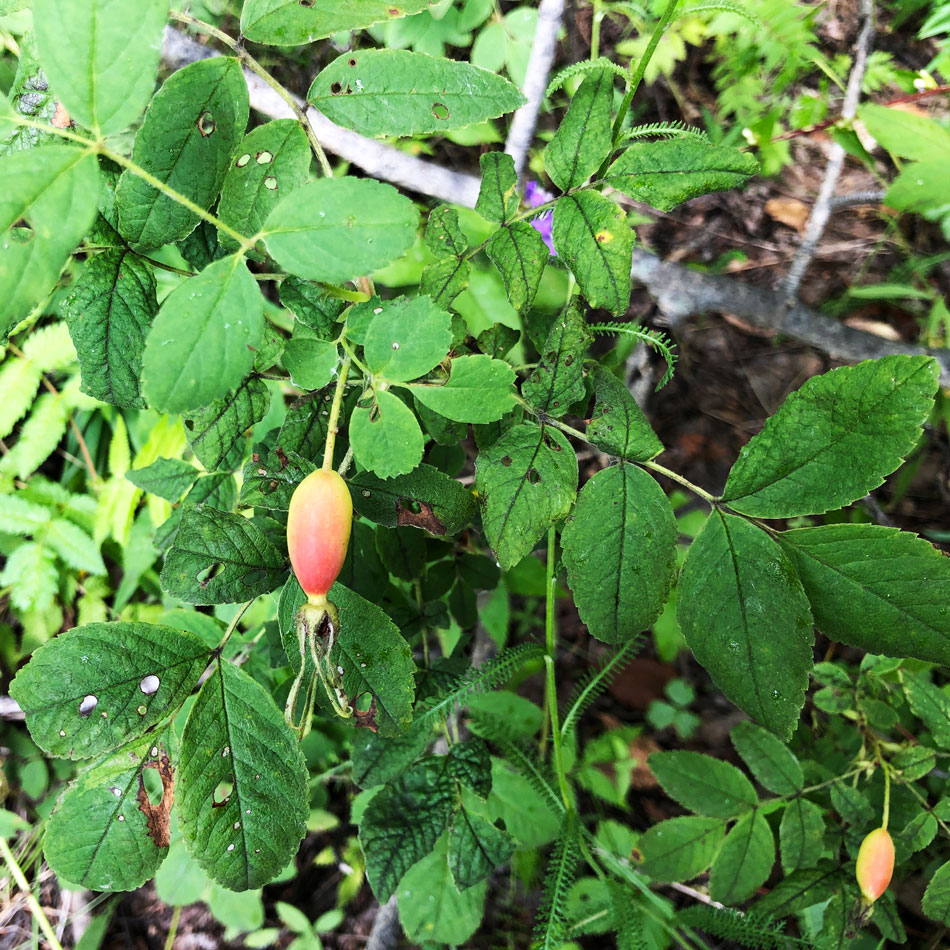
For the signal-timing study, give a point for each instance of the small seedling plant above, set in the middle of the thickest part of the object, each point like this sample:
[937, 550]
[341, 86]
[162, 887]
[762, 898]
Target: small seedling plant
[272, 289]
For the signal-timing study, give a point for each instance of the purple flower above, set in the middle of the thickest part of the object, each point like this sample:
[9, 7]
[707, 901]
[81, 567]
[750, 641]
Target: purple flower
[535, 195]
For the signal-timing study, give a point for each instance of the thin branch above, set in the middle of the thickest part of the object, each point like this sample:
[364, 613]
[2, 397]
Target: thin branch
[852, 198]
[525, 119]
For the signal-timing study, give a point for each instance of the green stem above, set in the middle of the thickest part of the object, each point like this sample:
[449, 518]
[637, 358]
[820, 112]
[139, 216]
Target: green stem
[680, 480]
[596, 18]
[232, 626]
[38, 913]
[887, 795]
[335, 413]
[173, 928]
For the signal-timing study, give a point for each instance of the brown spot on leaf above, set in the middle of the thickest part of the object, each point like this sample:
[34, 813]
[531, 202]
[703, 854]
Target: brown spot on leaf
[424, 518]
[157, 816]
[281, 457]
[60, 118]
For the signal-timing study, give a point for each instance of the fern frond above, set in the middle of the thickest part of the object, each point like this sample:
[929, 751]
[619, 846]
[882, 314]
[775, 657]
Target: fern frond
[667, 129]
[747, 930]
[652, 338]
[562, 867]
[595, 683]
[586, 66]
[628, 920]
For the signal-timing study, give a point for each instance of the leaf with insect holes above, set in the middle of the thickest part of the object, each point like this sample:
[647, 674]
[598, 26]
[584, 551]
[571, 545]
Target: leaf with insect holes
[479, 389]
[558, 380]
[385, 436]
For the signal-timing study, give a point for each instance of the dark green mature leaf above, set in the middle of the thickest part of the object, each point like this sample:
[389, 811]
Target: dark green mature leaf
[744, 861]
[425, 498]
[680, 848]
[104, 833]
[271, 475]
[558, 381]
[800, 889]
[336, 229]
[800, 834]
[272, 161]
[102, 58]
[242, 792]
[703, 784]
[385, 437]
[167, 478]
[191, 128]
[527, 482]
[851, 803]
[390, 842]
[663, 174]
[519, 253]
[746, 618]
[592, 237]
[584, 137]
[620, 552]
[931, 705]
[95, 687]
[444, 237]
[47, 204]
[291, 23]
[768, 758]
[936, 902]
[380, 759]
[313, 306]
[834, 439]
[398, 92]
[618, 424]
[407, 338]
[213, 431]
[109, 311]
[221, 558]
[479, 389]
[476, 848]
[876, 588]
[215, 490]
[201, 344]
[444, 280]
[497, 198]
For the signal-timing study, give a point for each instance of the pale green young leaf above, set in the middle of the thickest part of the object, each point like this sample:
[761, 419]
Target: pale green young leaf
[215, 430]
[558, 380]
[921, 186]
[271, 162]
[385, 437]
[704, 785]
[875, 588]
[291, 23]
[202, 340]
[834, 439]
[800, 834]
[19, 381]
[744, 861]
[620, 552]
[101, 57]
[680, 848]
[618, 425]
[32, 575]
[310, 360]
[592, 237]
[191, 129]
[336, 229]
[497, 196]
[20, 516]
[476, 848]
[519, 254]
[407, 339]
[221, 558]
[93, 688]
[50, 347]
[242, 784]
[768, 758]
[664, 174]
[398, 92]
[584, 137]
[39, 436]
[906, 134]
[527, 482]
[745, 616]
[74, 546]
[166, 478]
[47, 204]
[479, 389]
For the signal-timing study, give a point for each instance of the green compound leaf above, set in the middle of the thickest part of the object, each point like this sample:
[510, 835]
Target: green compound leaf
[386, 437]
[620, 552]
[191, 129]
[558, 381]
[291, 23]
[397, 92]
[221, 558]
[618, 425]
[47, 204]
[744, 860]
[425, 498]
[104, 833]
[242, 796]
[875, 588]
[527, 482]
[768, 758]
[392, 844]
[834, 439]
[271, 162]
[680, 848]
[519, 254]
[664, 174]
[101, 57]
[746, 618]
[444, 280]
[800, 835]
[213, 431]
[585, 136]
[109, 312]
[476, 848]
[497, 197]
[479, 389]
[98, 686]
[407, 338]
[166, 478]
[201, 344]
[311, 361]
[336, 229]
[704, 785]
[593, 238]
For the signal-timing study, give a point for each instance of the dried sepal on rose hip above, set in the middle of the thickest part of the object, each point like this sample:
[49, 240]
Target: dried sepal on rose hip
[875, 864]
